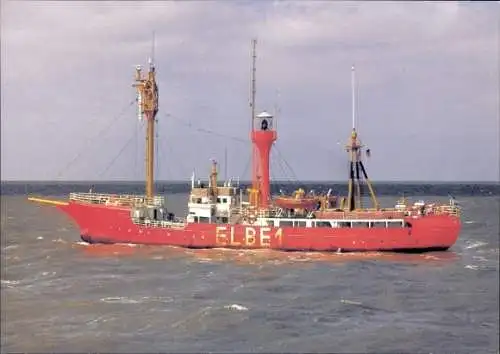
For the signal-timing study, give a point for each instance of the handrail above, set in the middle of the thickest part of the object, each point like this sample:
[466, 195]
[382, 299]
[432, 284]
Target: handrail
[116, 199]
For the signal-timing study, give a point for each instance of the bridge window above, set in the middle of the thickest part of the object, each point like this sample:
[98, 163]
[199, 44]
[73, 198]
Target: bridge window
[378, 224]
[344, 224]
[300, 223]
[286, 223]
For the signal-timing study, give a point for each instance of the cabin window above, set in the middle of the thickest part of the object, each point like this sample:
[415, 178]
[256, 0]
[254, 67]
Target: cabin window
[286, 223]
[224, 219]
[378, 224]
[224, 200]
[204, 220]
[322, 224]
[344, 224]
[218, 200]
[300, 223]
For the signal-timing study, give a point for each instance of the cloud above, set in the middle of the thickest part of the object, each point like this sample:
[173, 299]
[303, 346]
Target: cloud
[427, 74]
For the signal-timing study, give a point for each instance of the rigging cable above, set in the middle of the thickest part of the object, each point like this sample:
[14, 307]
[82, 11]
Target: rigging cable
[286, 163]
[280, 159]
[211, 132]
[92, 139]
[129, 141]
[156, 153]
[137, 171]
[207, 131]
[278, 162]
[169, 149]
[161, 149]
[247, 165]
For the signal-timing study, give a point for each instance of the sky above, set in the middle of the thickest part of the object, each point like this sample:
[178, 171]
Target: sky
[427, 88]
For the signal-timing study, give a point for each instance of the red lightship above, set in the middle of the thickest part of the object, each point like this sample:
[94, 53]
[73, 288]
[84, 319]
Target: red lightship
[225, 215]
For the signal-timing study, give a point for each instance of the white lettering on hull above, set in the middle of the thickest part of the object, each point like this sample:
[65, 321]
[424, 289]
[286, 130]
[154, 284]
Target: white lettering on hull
[226, 236]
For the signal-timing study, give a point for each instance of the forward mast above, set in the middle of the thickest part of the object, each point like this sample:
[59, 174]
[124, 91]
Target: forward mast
[147, 103]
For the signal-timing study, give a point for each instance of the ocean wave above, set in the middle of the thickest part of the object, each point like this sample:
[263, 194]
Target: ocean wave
[136, 300]
[9, 283]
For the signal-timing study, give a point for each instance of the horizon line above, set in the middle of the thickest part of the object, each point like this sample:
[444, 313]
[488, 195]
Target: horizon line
[177, 181]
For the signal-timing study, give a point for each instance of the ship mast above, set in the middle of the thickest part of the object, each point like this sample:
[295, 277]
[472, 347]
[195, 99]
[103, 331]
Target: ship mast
[354, 148]
[147, 101]
[255, 179]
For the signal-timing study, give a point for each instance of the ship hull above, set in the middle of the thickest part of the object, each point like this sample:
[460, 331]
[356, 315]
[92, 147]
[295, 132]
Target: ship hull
[106, 224]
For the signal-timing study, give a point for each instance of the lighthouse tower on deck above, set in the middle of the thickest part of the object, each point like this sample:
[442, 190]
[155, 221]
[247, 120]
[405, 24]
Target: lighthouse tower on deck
[263, 136]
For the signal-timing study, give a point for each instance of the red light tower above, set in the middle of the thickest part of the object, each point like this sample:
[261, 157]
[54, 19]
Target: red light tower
[263, 136]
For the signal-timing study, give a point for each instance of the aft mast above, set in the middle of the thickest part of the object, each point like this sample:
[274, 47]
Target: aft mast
[147, 102]
[354, 148]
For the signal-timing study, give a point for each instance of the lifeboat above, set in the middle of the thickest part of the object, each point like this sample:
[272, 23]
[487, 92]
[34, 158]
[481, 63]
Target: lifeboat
[299, 201]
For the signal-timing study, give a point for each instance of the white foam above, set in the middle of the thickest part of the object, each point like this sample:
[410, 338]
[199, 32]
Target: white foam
[39, 238]
[475, 245]
[236, 307]
[350, 302]
[119, 300]
[479, 258]
[9, 283]
[470, 266]
[138, 300]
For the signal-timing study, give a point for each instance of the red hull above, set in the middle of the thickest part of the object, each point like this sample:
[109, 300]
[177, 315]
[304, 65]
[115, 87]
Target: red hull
[105, 224]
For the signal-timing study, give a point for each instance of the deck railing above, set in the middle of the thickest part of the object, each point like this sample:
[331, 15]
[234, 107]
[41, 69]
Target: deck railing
[116, 199]
[451, 209]
[176, 224]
